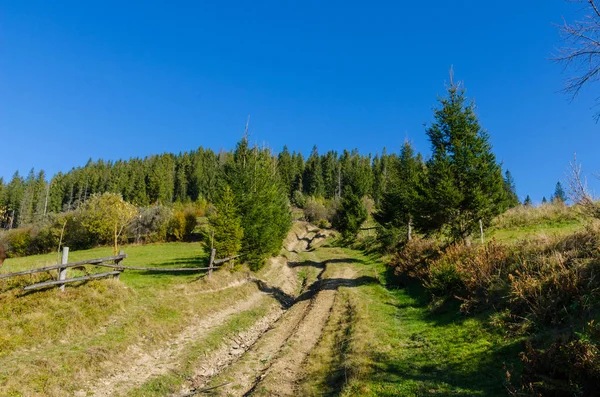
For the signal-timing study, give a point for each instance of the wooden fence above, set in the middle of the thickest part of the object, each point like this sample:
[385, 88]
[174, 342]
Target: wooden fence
[113, 262]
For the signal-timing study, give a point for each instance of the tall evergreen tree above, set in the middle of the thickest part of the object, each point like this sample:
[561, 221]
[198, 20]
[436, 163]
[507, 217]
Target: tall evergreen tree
[400, 203]
[313, 175]
[287, 170]
[351, 214]
[559, 195]
[465, 183]
[262, 201]
[226, 224]
[527, 202]
[510, 188]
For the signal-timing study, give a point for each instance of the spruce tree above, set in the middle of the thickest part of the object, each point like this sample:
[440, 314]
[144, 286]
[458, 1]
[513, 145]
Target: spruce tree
[400, 203]
[527, 202]
[351, 214]
[465, 183]
[261, 199]
[226, 223]
[313, 175]
[544, 200]
[559, 194]
[510, 188]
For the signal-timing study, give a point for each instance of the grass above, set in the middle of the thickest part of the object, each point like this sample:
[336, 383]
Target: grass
[51, 342]
[387, 341]
[522, 222]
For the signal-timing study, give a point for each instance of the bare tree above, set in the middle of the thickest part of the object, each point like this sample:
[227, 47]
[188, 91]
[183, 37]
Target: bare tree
[578, 190]
[581, 50]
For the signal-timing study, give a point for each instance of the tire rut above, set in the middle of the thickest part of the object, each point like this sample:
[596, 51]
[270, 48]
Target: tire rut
[273, 364]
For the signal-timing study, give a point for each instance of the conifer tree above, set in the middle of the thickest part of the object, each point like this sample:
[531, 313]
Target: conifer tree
[559, 194]
[351, 214]
[465, 183]
[286, 168]
[313, 175]
[527, 202]
[544, 200]
[510, 188]
[400, 203]
[261, 199]
[226, 223]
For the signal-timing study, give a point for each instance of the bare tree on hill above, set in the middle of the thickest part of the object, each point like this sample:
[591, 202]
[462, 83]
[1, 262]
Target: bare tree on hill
[581, 50]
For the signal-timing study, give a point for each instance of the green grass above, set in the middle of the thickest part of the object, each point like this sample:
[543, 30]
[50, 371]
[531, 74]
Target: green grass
[387, 341]
[516, 234]
[51, 341]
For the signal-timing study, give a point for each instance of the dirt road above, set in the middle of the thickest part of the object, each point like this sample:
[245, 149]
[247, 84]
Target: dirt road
[295, 290]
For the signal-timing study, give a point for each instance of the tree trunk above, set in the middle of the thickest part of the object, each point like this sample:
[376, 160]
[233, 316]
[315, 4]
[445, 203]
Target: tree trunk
[481, 230]
[409, 228]
[116, 248]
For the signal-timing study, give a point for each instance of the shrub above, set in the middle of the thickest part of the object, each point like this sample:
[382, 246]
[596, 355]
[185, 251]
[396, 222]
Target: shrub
[298, 199]
[105, 216]
[412, 260]
[18, 242]
[315, 210]
[566, 368]
[181, 226]
[151, 224]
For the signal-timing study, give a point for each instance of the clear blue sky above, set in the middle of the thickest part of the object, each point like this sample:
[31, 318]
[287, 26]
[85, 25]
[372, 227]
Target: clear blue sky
[116, 79]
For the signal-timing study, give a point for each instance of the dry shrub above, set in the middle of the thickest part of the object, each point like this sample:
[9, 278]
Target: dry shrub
[412, 260]
[570, 368]
[557, 278]
[473, 274]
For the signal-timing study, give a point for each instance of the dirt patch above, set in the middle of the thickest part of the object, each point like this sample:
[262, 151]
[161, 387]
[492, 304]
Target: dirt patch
[143, 365]
[273, 365]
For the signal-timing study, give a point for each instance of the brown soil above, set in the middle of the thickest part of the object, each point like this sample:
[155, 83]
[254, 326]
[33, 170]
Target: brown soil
[267, 357]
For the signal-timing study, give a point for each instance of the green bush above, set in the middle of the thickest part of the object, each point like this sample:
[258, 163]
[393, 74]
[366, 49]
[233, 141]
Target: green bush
[181, 226]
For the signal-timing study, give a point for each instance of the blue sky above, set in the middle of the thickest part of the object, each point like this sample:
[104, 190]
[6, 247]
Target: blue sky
[112, 80]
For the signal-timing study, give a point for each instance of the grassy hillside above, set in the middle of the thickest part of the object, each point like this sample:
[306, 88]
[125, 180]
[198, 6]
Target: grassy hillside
[522, 222]
[387, 341]
[51, 342]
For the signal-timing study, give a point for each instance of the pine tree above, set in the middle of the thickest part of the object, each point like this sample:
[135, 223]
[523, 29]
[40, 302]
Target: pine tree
[400, 203]
[510, 188]
[313, 175]
[465, 183]
[226, 223]
[527, 202]
[261, 199]
[286, 168]
[544, 200]
[559, 194]
[26, 209]
[351, 214]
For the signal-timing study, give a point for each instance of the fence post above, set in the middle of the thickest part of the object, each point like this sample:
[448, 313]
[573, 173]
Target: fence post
[118, 262]
[211, 264]
[62, 272]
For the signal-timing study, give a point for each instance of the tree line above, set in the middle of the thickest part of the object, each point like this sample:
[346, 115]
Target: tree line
[247, 192]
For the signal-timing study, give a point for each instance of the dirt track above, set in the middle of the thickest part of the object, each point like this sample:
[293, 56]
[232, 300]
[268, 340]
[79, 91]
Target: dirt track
[267, 357]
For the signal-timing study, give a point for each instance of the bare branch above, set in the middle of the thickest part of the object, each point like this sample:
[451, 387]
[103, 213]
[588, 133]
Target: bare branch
[578, 190]
[582, 55]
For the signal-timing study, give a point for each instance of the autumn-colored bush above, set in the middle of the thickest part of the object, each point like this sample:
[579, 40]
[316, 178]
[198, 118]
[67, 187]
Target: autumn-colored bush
[412, 260]
[564, 369]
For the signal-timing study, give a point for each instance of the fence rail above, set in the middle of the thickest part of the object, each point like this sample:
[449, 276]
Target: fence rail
[106, 262]
[97, 262]
[114, 273]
